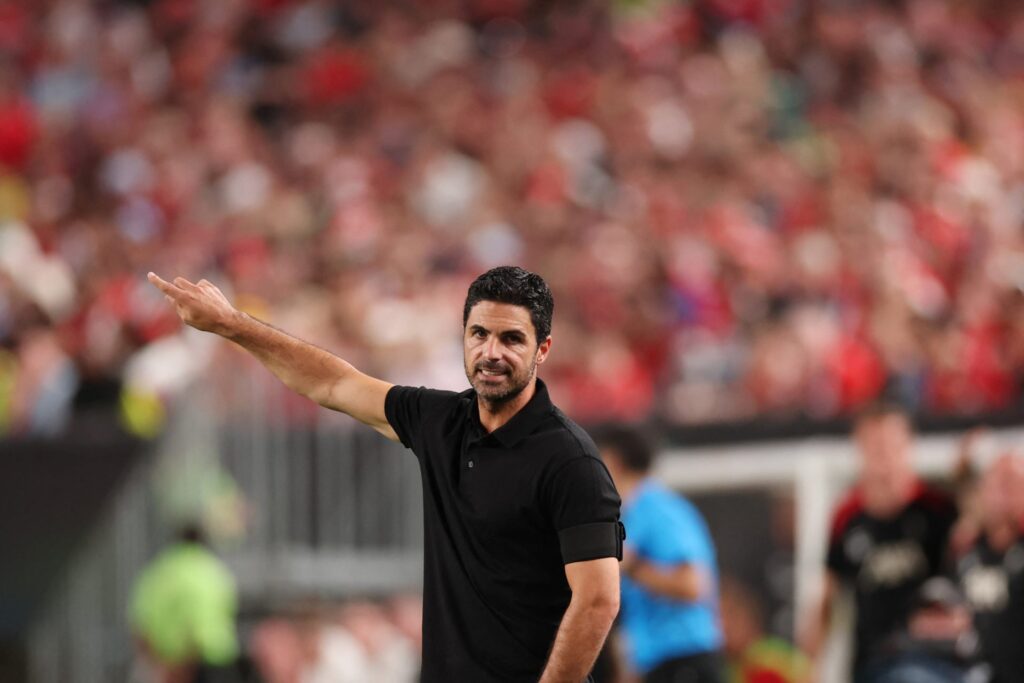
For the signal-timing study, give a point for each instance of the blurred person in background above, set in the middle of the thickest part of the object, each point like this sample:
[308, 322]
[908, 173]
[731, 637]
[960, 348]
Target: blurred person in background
[670, 618]
[522, 532]
[358, 642]
[183, 612]
[753, 656]
[889, 536]
[991, 572]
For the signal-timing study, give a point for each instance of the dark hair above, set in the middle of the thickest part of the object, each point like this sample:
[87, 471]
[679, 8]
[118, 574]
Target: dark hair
[516, 286]
[883, 408]
[630, 446]
[192, 532]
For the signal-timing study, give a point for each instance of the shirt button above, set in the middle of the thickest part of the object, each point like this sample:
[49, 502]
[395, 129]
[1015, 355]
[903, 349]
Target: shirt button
[470, 463]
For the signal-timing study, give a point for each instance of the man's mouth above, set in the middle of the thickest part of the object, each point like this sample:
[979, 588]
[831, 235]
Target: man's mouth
[489, 372]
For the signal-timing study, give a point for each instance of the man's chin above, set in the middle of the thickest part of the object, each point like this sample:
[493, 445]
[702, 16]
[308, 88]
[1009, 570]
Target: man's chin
[496, 394]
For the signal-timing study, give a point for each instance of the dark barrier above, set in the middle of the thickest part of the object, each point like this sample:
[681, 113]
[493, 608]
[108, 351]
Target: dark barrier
[767, 428]
[52, 492]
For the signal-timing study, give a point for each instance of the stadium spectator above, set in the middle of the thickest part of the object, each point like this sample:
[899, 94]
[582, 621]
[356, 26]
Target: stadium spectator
[991, 572]
[183, 611]
[670, 618]
[889, 536]
[752, 656]
[750, 209]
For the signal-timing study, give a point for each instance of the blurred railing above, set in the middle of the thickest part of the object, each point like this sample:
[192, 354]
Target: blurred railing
[319, 508]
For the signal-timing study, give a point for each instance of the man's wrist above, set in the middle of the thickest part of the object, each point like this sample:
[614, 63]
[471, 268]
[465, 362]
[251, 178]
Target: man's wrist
[233, 327]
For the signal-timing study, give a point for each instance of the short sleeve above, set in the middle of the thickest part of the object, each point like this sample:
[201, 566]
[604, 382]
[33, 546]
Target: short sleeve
[406, 408]
[583, 506]
[836, 560]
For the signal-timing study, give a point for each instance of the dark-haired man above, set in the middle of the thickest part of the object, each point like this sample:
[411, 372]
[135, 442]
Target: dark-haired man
[522, 538]
[889, 536]
[669, 588]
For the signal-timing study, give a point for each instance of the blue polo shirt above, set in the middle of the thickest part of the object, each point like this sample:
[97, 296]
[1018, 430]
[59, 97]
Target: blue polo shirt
[665, 529]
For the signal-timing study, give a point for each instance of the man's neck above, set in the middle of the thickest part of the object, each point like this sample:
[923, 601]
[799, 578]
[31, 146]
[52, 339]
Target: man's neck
[494, 415]
[889, 499]
[627, 486]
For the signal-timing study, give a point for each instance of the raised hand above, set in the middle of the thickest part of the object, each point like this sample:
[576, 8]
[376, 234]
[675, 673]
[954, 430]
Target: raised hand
[200, 305]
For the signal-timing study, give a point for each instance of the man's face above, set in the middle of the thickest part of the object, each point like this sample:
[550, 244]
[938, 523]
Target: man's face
[885, 449]
[1001, 489]
[500, 350]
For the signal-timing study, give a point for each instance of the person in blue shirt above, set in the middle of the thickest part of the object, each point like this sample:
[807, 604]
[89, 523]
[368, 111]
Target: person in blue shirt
[669, 601]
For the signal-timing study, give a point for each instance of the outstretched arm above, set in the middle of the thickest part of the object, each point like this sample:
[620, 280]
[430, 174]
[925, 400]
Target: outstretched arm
[585, 625]
[304, 368]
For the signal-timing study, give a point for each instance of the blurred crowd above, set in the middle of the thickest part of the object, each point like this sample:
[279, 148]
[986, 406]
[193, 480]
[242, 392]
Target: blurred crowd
[352, 643]
[745, 208]
[379, 641]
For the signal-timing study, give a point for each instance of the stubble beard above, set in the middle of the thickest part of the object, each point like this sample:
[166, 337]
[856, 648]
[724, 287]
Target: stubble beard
[499, 395]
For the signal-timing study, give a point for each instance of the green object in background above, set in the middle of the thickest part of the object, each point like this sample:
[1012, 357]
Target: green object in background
[770, 660]
[184, 606]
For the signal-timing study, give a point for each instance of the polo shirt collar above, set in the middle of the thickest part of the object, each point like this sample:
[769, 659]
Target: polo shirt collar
[522, 423]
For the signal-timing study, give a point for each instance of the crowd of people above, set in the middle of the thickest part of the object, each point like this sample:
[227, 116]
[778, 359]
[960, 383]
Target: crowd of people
[754, 209]
[936, 572]
[351, 643]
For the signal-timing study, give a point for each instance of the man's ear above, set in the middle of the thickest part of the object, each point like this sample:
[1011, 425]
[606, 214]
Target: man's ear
[543, 349]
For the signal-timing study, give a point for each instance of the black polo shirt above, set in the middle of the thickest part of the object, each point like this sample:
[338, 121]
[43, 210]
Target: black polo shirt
[503, 513]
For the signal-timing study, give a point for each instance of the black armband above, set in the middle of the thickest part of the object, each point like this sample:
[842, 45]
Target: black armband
[592, 541]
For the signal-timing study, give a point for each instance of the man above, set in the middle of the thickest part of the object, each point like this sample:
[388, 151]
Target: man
[669, 592]
[522, 538]
[889, 536]
[183, 612]
[991, 573]
[753, 656]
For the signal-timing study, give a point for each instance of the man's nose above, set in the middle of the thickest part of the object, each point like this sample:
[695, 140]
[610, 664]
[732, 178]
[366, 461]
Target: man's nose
[492, 349]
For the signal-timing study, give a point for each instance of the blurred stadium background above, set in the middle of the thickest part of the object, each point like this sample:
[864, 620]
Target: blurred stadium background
[756, 217]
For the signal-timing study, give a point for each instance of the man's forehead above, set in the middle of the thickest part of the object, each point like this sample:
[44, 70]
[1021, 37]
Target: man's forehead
[494, 315]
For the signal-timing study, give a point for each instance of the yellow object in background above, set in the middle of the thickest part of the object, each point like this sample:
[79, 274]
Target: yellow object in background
[142, 413]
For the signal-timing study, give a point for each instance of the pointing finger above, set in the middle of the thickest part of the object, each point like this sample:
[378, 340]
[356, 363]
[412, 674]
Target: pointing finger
[184, 284]
[164, 286]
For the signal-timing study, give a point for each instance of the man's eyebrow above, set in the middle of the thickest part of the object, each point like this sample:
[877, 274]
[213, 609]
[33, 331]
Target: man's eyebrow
[476, 326]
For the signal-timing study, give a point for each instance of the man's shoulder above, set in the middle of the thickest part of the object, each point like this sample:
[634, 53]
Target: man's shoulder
[849, 509]
[427, 397]
[567, 440]
[656, 496]
[934, 500]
